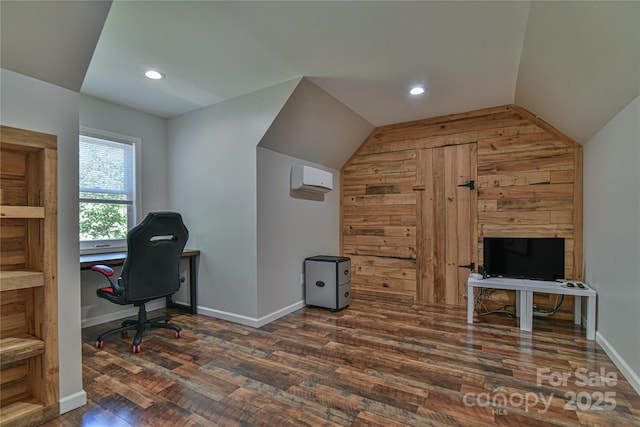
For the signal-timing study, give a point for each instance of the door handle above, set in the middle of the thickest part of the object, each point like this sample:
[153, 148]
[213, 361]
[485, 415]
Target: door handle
[471, 184]
[469, 266]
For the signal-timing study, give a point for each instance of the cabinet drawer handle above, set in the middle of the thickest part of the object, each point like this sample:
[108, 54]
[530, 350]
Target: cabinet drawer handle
[319, 283]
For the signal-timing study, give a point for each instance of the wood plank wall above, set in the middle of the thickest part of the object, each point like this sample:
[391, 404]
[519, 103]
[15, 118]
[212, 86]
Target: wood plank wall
[529, 185]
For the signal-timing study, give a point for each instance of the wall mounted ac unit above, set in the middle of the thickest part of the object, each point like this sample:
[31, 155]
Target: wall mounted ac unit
[308, 178]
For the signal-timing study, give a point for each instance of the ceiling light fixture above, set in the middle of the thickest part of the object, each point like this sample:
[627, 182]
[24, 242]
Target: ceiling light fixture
[416, 90]
[154, 75]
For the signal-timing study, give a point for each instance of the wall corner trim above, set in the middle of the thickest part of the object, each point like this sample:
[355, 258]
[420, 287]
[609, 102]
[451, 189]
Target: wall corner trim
[631, 376]
[73, 401]
[250, 321]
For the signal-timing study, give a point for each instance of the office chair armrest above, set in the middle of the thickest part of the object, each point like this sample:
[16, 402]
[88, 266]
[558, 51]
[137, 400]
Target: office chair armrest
[108, 272]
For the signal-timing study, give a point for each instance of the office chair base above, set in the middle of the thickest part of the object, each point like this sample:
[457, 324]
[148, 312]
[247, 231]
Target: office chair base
[140, 326]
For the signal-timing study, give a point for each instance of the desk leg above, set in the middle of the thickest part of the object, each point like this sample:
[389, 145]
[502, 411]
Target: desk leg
[193, 288]
[530, 311]
[193, 283]
[577, 310]
[526, 311]
[470, 304]
[591, 317]
[518, 296]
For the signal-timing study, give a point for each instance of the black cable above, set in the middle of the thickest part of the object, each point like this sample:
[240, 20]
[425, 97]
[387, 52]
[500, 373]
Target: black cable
[482, 309]
[554, 310]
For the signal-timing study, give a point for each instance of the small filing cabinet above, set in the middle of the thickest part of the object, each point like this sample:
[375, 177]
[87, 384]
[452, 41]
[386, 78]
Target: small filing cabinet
[328, 281]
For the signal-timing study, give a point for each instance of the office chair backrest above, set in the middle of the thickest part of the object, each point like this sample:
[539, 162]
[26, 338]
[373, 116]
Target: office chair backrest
[155, 247]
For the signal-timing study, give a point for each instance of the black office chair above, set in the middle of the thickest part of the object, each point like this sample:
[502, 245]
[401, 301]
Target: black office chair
[150, 271]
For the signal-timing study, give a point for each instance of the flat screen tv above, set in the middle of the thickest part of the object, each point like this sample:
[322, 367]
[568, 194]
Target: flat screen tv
[527, 258]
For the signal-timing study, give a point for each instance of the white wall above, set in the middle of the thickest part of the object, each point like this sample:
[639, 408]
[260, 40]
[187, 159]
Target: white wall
[103, 115]
[99, 114]
[35, 105]
[212, 182]
[612, 236]
[290, 230]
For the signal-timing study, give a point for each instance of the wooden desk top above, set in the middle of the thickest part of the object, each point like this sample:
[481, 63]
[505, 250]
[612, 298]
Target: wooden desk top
[117, 258]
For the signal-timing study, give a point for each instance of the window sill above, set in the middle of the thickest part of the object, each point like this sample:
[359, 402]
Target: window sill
[104, 250]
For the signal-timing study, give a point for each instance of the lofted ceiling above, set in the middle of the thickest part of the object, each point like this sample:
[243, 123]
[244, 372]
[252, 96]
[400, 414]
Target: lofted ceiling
[51, 41]
[367, 55]
[315, 126]
[575, 64]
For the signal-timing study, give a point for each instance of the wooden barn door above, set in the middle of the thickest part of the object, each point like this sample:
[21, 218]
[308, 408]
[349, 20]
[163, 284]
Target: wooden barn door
[446, 222]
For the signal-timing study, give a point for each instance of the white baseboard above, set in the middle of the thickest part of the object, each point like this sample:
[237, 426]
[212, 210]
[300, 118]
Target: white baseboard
[280, 313]
[627, 371]
[250, 321]
[73, 401]
[121, 314]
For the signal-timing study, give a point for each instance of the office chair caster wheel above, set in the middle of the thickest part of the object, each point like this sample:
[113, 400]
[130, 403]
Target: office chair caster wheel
[178, 334]
[100, 344]
[136, 348]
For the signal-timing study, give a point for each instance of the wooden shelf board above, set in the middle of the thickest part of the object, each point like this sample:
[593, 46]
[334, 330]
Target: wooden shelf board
[14, 349]
[21, 211]
[22, 409]
[12, 280]
[26, 140]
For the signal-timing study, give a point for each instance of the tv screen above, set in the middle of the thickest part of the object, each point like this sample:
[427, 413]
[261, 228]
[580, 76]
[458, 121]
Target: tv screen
[530, 258]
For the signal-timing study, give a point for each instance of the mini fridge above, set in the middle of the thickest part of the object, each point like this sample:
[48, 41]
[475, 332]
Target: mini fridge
[327, 281]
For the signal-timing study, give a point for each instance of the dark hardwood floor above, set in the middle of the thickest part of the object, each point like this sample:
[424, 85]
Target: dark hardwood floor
[380, 362]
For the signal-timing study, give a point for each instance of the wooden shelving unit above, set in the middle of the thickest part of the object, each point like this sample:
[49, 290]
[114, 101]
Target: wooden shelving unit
[28, 270]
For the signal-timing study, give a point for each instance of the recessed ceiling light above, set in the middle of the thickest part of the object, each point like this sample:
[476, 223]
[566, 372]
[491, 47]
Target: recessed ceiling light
[418, 90]
[154, 75]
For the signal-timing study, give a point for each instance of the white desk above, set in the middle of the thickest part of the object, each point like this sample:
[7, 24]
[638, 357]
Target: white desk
[524, 299]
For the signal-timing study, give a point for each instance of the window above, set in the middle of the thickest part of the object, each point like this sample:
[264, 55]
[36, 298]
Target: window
[107, 189]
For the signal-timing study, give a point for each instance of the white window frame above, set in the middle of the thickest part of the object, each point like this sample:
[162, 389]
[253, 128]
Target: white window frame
[115, 245]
